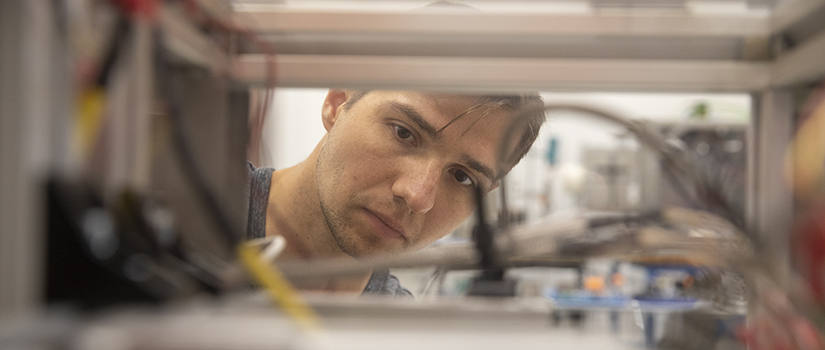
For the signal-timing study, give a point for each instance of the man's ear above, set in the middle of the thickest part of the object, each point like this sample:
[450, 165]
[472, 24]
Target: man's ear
[333, 105]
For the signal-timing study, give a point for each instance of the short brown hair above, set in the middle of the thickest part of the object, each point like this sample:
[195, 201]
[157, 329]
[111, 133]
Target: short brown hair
[530, 102]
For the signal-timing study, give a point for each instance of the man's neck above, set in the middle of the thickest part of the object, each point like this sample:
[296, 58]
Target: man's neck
[294, 212]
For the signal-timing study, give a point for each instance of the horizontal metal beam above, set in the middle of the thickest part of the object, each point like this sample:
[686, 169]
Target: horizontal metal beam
[188, 43]
[791, 12]
[801, 65]
[524, 46]
[269, 19]
[503, 74]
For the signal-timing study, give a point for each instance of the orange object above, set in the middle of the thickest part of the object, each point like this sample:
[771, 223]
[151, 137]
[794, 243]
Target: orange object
[594, 284]
[805, 158]
[618, 279]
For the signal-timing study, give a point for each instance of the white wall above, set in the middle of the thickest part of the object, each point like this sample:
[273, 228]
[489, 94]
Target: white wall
[293, 126]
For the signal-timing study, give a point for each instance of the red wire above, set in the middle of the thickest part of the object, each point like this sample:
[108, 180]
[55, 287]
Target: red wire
[139, 8]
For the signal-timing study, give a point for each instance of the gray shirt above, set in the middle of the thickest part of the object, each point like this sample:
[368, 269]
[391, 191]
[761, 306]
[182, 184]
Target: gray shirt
[381, 282]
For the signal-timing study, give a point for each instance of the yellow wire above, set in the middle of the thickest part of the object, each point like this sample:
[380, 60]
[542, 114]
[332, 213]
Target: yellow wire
[88, 117]
[277, 287]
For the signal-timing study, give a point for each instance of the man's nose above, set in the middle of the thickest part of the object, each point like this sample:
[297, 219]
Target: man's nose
[417, 186]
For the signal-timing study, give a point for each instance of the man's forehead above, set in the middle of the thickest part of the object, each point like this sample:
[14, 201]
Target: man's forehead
[442, 109]
[455, 104]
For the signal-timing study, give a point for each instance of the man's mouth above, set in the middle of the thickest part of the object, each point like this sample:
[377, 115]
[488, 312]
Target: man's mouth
[385, 225]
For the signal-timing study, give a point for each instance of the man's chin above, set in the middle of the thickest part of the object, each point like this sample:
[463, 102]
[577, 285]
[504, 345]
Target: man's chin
[365, 249]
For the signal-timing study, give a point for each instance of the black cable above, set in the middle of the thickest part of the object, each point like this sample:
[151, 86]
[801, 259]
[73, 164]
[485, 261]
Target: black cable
[186, 157]
[675, 162]
[482, 235]
[120, 39]
[626, 219]
[680, 188]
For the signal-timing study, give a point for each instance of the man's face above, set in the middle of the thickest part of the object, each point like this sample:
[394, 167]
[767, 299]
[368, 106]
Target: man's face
[390, 178]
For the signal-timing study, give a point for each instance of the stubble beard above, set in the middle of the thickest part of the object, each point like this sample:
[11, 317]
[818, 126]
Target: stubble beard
[333, 225]
[342, 231]
[336, 225]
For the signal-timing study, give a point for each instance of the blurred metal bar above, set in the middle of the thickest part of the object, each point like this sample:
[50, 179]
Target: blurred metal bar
[790, 12]
[772, 206]
[523, 46]
[646, 4]
[801, 65]
[216, 8]
[504, 74]
[269, 19]
[128, 124]
[435, 32]
[30, 77]
[187, 42]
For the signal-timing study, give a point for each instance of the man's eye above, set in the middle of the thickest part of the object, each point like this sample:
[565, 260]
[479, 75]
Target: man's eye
[402, 133]
[463, 178]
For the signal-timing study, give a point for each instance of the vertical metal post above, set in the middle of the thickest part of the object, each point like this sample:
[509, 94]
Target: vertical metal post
[30, 56]
[770, 207]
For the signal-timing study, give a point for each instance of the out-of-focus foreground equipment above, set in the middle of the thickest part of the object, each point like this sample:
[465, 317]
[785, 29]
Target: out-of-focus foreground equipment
[125, 130]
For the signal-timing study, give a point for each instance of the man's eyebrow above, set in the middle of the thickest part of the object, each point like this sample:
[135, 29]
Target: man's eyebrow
[415, 117]
[477, 166]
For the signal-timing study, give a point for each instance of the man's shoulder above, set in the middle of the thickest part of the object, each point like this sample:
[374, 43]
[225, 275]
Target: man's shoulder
[258, 195]
[382, 282]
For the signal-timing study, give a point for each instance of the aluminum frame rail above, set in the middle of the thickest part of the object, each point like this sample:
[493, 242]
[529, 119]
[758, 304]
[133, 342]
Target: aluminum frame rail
[504, 74]
[477, 51]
